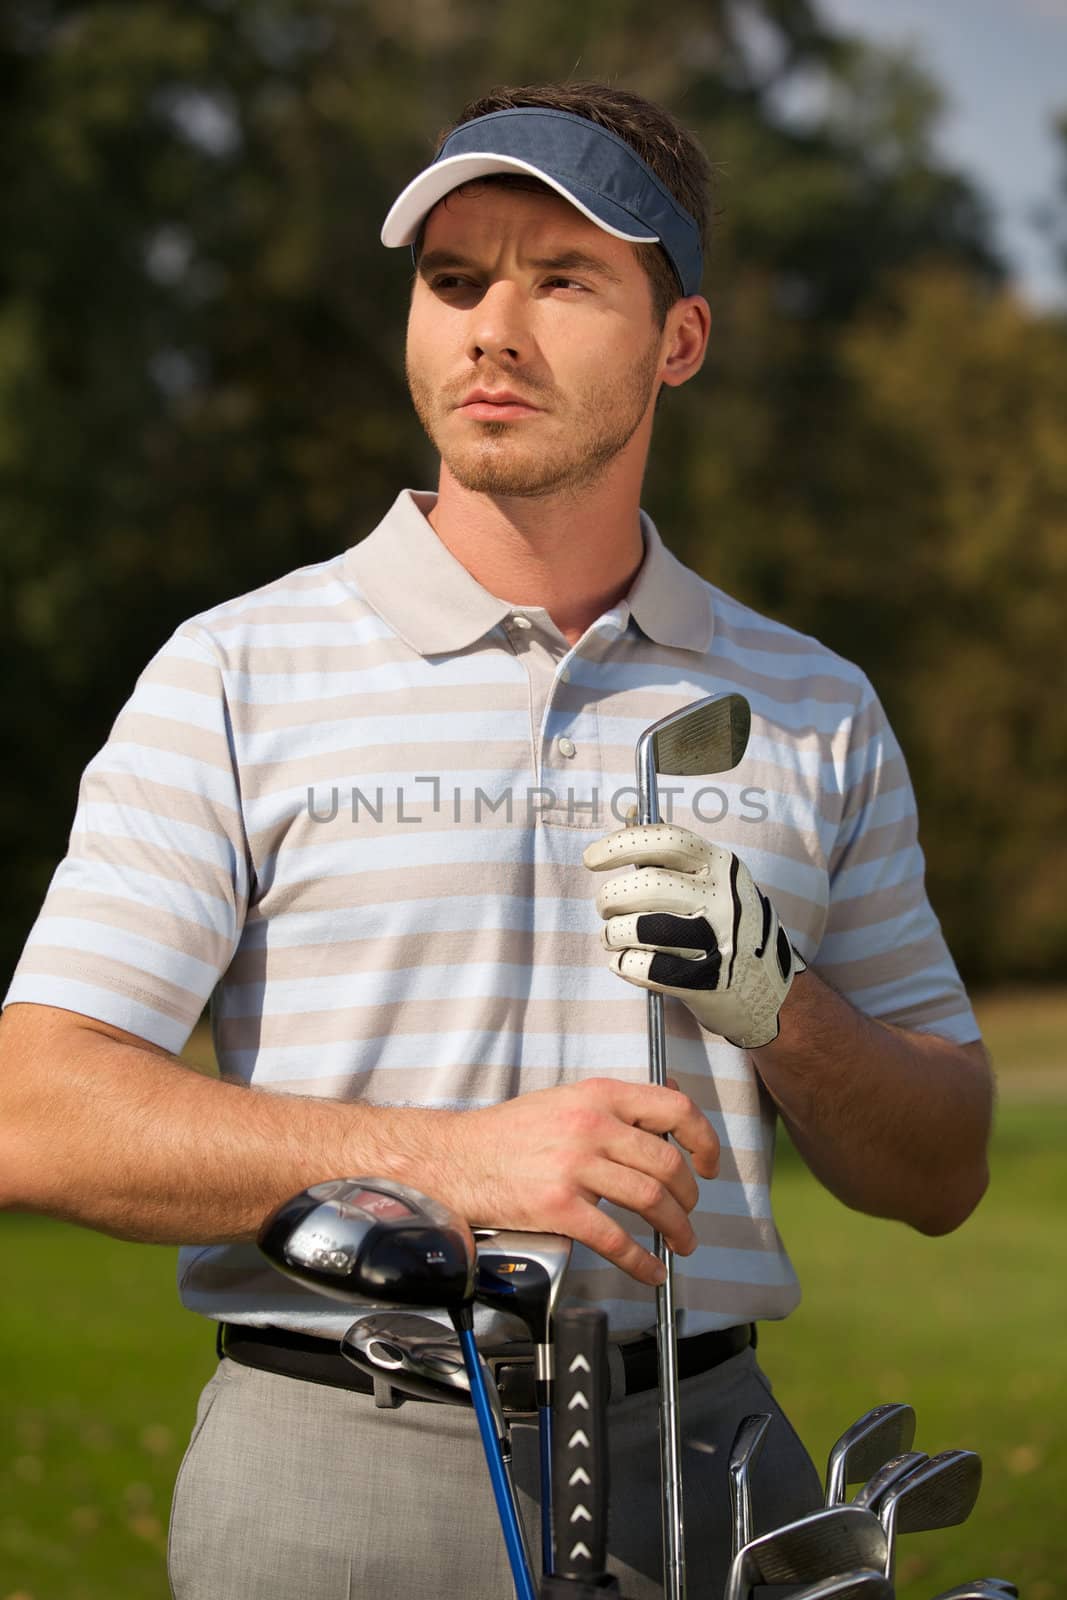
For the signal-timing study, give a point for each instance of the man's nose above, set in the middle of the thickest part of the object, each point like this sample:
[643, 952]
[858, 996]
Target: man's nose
[499, 324]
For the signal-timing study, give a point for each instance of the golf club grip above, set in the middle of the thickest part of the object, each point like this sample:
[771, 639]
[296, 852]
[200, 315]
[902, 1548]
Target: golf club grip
[580, 1457]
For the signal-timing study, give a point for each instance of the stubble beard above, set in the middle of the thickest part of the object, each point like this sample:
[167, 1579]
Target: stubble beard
[485, 463]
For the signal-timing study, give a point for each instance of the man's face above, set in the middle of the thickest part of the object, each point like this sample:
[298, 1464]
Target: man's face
[579, 345]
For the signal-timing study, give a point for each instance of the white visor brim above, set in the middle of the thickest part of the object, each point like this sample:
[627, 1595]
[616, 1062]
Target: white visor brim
[407, 212]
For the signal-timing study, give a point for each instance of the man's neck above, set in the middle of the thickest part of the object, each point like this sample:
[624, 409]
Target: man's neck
[576, 557]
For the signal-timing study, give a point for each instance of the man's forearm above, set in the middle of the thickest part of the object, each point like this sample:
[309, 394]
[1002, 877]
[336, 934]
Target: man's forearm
[894, 1123]
[100, 1128]
[135, 1144]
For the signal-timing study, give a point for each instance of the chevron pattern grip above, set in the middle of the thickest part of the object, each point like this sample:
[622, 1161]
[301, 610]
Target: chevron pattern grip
[580, 1463]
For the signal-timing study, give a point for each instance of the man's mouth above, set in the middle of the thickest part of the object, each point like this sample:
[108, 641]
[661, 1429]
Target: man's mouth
[497, 411]
[500, 405]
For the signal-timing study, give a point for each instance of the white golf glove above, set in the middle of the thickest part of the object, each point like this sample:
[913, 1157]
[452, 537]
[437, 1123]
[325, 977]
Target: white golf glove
[691, 922]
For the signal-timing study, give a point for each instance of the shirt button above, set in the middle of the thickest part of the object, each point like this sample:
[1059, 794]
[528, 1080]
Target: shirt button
[519, 621]
[566, 747]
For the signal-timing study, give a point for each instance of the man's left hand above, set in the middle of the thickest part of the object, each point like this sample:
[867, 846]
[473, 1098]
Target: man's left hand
[691, 922]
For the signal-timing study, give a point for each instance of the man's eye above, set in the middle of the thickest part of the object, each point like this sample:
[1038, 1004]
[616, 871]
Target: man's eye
[447, 280]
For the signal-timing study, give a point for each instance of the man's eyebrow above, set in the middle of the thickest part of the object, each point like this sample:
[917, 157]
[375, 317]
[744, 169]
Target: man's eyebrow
[566, 261]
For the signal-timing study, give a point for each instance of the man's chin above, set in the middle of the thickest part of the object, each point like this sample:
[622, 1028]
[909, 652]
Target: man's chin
[504, 480]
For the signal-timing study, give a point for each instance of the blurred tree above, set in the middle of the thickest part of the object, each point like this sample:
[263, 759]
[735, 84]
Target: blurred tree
[979, 391]
[928, 540]
[1050, 218]
[201, 338]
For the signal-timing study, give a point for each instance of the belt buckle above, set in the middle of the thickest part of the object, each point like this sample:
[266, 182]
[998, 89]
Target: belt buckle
[505, 1359]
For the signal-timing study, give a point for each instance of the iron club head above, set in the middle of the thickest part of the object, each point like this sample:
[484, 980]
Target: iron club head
[744, 1453]
[866, 1445]
[704, 737]
[838, 1539]
[938, 1494]
[891, 1472]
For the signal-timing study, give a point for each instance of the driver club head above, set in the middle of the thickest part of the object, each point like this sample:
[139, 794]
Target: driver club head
[371, 1239]
[885, 1431]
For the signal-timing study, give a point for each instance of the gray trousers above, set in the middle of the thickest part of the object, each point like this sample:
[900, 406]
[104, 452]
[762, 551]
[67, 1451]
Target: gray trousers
[297, 1491]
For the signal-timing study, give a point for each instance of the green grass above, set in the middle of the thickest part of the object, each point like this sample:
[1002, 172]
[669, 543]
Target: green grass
[101, 1370]
[101, 1367]
[967, 1328]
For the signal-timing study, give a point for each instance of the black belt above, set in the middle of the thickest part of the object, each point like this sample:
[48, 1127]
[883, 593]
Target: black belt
[300, 1355]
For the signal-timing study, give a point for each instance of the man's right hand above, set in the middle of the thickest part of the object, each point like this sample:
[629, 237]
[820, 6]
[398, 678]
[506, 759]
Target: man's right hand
[543, 1160]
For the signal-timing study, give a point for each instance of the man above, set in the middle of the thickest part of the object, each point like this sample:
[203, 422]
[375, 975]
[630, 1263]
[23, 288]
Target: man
[354, 806]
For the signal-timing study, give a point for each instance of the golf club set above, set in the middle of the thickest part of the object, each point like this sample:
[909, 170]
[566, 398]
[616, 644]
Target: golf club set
[846, 1550]
[363, 1240]
[373, 1241]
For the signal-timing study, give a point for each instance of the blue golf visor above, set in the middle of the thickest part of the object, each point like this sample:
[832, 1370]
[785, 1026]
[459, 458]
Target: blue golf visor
[594, 169]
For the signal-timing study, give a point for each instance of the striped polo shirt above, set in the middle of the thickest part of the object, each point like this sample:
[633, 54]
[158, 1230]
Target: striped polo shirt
[349, 809]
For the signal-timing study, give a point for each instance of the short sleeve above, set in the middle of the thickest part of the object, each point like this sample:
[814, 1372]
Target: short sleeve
[144, 912]
[883, 947]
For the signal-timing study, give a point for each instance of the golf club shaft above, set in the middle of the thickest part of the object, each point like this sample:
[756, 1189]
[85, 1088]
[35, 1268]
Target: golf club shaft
[666, 1332]
[667, 1352]
[544, 1438]
[503, 1493]
[503, 1434]
[708, 735]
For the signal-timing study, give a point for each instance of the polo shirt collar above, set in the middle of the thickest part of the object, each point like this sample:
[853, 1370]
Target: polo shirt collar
[430, 599]
[667, 600]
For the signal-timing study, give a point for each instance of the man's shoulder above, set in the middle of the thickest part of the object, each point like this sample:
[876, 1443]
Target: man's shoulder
[305, 598]
[766, 645]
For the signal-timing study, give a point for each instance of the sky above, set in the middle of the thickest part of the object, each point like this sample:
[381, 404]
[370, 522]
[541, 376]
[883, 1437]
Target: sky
[1003, 67]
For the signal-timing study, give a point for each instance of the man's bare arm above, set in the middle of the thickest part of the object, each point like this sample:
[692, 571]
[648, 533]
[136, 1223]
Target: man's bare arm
[100, 1128]
[893, 1122]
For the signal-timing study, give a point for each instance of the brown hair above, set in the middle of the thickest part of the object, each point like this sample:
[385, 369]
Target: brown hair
[651, 132]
